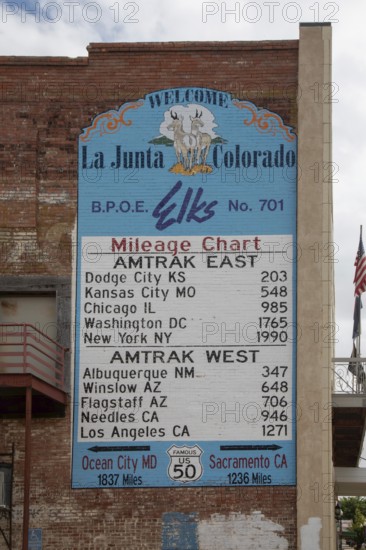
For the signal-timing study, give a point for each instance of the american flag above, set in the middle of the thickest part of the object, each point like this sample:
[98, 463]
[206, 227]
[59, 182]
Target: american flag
[360, 286]
[360, 273]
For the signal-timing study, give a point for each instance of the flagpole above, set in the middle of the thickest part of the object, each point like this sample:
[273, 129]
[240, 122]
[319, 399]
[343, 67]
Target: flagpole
[356, 367]
[359, 335]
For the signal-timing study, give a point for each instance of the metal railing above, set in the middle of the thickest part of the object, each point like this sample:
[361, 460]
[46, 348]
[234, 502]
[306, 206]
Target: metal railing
[24, 349]
[349, 375]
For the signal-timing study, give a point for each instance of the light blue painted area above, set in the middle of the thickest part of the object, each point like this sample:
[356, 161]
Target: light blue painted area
[35, 539]
[179, 531]
[112, 200]
[251, 190]
[263, 467]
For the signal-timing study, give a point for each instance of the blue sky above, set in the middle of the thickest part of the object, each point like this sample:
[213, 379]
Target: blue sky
[67, 27]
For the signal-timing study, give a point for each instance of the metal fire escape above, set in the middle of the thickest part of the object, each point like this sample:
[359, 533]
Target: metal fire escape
[31, 384]
[349, 423]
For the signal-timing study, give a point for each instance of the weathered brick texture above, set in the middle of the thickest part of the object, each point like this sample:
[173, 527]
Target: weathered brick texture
[44, 104]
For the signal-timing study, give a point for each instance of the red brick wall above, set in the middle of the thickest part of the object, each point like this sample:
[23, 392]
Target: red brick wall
[44, 104]
[94, 519]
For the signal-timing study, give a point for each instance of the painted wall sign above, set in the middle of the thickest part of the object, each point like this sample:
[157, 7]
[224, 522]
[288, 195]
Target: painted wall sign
[185, 313]
[34, 539]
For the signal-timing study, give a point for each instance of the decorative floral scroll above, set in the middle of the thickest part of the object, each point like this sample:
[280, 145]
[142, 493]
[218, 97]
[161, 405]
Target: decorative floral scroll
[265, 121]
[110, 122]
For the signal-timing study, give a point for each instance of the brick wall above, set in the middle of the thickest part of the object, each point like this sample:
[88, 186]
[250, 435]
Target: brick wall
[44, 104]
[120, 519]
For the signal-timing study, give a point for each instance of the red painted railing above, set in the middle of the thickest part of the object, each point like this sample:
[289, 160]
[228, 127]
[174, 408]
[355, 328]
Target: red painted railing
[24, 349]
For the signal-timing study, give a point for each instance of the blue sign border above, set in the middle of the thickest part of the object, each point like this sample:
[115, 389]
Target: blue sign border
[235, 177]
